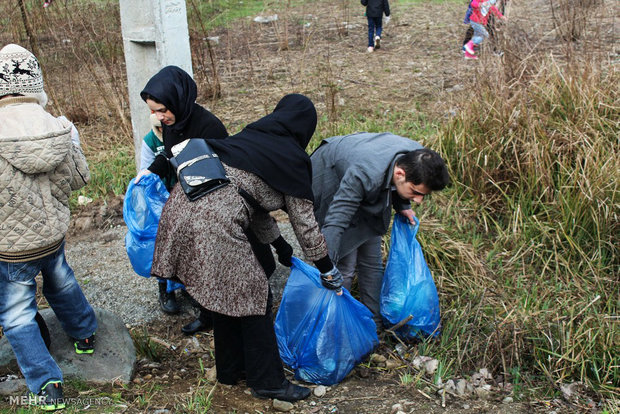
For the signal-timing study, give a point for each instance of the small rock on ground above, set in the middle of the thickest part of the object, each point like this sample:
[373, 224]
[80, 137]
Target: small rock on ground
[320, 391]
[283, 406]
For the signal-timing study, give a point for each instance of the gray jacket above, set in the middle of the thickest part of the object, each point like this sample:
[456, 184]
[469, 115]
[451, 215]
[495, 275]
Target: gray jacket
[39, 167]
[351, 181]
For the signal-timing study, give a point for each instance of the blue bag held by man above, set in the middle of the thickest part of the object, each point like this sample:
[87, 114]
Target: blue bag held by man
[142, 208]
[408, 287]
[321, 335]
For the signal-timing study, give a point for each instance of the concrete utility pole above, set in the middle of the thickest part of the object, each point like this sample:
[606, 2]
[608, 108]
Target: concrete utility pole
[155, 35]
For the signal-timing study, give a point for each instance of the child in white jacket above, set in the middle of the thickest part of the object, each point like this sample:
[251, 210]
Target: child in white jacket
[40, 164]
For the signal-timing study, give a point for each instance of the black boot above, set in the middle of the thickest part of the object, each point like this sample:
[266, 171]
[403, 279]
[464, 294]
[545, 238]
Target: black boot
[287, 392]
[204, 322]
[167, 300]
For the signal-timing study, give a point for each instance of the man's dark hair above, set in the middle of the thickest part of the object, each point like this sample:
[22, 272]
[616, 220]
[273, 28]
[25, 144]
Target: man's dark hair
[425, 166]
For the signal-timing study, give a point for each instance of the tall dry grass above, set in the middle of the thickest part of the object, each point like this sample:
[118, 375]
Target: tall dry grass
[80, 48]
[530, 270]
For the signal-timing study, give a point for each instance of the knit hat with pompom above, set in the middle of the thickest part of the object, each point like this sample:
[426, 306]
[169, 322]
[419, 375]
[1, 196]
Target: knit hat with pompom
[20, 73]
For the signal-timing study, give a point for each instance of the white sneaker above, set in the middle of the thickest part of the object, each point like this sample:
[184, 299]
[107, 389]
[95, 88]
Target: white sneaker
[370, 49]
[377, 42]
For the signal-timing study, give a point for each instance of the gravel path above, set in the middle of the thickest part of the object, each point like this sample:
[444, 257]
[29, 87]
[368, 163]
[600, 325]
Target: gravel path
[101, 266]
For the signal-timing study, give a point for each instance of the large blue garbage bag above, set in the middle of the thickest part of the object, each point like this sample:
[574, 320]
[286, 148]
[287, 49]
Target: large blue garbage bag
[321, 335]
[142, 209]
[408, 287]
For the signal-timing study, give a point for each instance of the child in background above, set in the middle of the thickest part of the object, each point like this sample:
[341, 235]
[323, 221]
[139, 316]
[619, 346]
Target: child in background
[374, 12]
[478, 20]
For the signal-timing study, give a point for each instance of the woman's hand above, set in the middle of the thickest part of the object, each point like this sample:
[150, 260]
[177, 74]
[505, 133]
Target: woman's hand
[333, 280]
[142, 174]
[284, 251]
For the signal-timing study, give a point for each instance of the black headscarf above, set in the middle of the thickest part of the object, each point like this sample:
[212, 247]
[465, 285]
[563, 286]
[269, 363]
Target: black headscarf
[274, 147]
[176, 90]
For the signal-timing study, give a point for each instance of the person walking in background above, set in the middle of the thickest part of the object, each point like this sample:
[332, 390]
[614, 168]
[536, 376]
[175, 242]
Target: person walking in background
[205, 242]
[356, 181]
[171, 96]
[41, 162]
[374, 13]
[479, 20]
[490, 28]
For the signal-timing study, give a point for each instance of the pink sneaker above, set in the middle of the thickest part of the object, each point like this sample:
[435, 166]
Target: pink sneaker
[470, 56]
[469, 48]
[370, 49]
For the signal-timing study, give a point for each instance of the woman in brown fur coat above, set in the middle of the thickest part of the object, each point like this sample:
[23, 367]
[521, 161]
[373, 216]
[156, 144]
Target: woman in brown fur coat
[204, 244]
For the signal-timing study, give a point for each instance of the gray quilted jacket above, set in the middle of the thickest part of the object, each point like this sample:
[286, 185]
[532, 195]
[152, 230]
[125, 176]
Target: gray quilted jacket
[39, 167]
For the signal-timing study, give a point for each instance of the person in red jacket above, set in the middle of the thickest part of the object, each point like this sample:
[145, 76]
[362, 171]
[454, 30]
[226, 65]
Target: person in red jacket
[374, 12]
[478, 20]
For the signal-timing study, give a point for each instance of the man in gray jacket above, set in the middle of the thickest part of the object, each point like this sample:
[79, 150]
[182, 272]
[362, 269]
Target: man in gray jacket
[40, 164]
[356, 180]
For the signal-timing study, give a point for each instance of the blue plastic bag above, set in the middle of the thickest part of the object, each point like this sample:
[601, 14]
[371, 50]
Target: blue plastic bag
[142, 209]
[408, 287]
[321, 335]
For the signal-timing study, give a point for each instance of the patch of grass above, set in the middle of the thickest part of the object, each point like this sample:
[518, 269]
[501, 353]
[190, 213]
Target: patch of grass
[221, 13]
[145, 347]
[200, 401]
[412, 124]
[77, 384]
[406, 379]
[110, 173]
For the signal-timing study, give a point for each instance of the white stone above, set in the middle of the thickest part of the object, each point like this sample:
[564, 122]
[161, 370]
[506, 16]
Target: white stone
[83, 200]
[482, 393]
[485, 373]
[431, 366]
[320, 391]
[377, 358]
[283, 406]
[461, 387]
[266, 19]
[396, 408]
[211, 374]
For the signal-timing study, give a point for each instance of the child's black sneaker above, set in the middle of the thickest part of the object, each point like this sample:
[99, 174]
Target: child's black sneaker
[50, 397]
[85, 346]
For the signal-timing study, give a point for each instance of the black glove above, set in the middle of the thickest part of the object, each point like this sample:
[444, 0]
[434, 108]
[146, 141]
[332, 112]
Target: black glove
[284, 251]
[332, 280]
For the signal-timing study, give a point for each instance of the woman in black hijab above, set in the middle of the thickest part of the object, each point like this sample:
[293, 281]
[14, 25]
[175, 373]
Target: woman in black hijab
[171, 95]
[204, 242]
